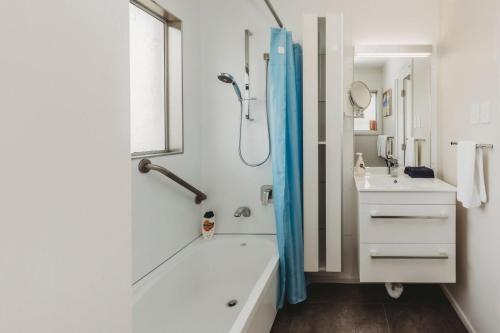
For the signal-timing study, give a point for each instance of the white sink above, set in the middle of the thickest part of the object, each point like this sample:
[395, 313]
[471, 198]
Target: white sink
[375, 180]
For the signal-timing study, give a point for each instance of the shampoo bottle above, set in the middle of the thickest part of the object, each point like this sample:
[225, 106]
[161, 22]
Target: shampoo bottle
[208, 225]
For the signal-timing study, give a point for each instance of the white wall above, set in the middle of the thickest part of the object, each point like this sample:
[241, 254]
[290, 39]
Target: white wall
[164, 215]
[372, 76]
[470, 74]
[65, 224]
[228, 181]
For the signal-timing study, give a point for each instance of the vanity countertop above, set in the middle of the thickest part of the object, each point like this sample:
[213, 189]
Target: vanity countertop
[377, 180]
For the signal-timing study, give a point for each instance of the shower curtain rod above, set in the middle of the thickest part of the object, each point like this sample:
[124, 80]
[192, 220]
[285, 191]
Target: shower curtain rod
[271, 8]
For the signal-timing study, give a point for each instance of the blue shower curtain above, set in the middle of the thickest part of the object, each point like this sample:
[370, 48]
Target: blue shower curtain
[285, 106]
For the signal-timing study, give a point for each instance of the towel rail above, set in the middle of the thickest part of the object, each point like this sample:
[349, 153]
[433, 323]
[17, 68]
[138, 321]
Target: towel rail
[145, 166]
[479, 145]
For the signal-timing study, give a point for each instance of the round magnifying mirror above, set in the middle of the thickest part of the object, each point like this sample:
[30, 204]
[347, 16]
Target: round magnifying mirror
[359, 95]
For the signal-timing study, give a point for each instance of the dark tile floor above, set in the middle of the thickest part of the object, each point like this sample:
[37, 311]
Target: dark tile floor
[368, 308]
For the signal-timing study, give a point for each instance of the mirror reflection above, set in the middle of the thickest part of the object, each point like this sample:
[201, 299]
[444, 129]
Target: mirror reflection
[396, 125]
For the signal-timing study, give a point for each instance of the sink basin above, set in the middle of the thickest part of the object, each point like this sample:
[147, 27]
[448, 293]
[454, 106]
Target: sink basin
[383, 181]
[377, 181]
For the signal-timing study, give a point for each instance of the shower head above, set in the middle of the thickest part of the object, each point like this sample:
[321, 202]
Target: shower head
[228, 78]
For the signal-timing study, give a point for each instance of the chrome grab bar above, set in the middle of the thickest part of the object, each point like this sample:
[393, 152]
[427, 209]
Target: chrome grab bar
[145, 166]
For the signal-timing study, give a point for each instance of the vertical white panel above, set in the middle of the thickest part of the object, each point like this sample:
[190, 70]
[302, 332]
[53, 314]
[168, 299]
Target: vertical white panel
[334, 125]
[310, 142]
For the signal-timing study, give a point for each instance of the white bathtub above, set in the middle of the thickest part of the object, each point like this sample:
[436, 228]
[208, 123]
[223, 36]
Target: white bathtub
[190, 292]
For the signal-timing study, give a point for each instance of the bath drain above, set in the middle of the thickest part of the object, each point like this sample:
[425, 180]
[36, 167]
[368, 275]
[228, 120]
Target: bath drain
[243, 244]
[232, 303]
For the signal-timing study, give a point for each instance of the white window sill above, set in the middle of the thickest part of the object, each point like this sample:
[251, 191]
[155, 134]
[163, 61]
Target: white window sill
[367, 133]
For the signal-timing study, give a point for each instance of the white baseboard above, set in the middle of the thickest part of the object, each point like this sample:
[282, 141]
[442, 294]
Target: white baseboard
[458, 309]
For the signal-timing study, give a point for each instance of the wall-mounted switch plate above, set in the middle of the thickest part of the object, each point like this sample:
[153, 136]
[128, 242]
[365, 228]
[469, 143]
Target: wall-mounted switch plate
[417, 122]
[484, 113]
[474, 113]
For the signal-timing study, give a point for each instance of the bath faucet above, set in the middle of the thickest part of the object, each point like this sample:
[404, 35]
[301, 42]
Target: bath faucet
[391, 163]
[245, 211]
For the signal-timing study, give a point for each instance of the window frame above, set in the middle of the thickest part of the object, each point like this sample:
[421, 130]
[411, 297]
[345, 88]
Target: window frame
[168, 20]
[378, 116]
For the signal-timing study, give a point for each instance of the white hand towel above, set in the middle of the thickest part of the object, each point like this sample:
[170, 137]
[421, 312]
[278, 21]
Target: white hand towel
[410, 153]
[471, 190]
[382, 146]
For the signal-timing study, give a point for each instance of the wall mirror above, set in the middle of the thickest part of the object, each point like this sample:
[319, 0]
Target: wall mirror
[397, 121]
[360, 97]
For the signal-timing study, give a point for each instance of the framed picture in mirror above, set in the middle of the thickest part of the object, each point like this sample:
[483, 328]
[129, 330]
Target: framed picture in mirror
[387, 103]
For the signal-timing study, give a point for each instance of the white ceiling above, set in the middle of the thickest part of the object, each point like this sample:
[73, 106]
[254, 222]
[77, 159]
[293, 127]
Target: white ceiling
[367, 62]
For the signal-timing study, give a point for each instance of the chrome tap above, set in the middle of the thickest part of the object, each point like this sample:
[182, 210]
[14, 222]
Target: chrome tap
[391, 163]
[245, 211]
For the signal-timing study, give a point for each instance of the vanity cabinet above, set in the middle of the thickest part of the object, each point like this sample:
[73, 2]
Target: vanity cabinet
[408, 235]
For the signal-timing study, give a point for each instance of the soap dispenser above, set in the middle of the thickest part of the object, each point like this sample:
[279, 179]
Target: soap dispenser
[359, 169]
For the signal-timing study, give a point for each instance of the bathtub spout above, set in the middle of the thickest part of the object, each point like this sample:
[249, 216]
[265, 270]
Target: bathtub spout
[245, 211]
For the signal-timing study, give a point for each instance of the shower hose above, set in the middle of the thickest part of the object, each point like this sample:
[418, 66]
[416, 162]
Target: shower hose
[268, 129]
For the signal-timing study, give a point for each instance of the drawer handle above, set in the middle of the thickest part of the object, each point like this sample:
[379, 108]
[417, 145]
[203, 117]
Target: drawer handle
[410, 217]
[374, 255]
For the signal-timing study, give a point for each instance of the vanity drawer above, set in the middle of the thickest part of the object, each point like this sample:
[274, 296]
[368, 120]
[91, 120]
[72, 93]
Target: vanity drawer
[407, 198]
[407, 223]
[410, 263]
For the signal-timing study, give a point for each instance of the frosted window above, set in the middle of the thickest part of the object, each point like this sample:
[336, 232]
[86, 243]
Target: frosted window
[369, 121]
[175, 88]
[147, 81]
